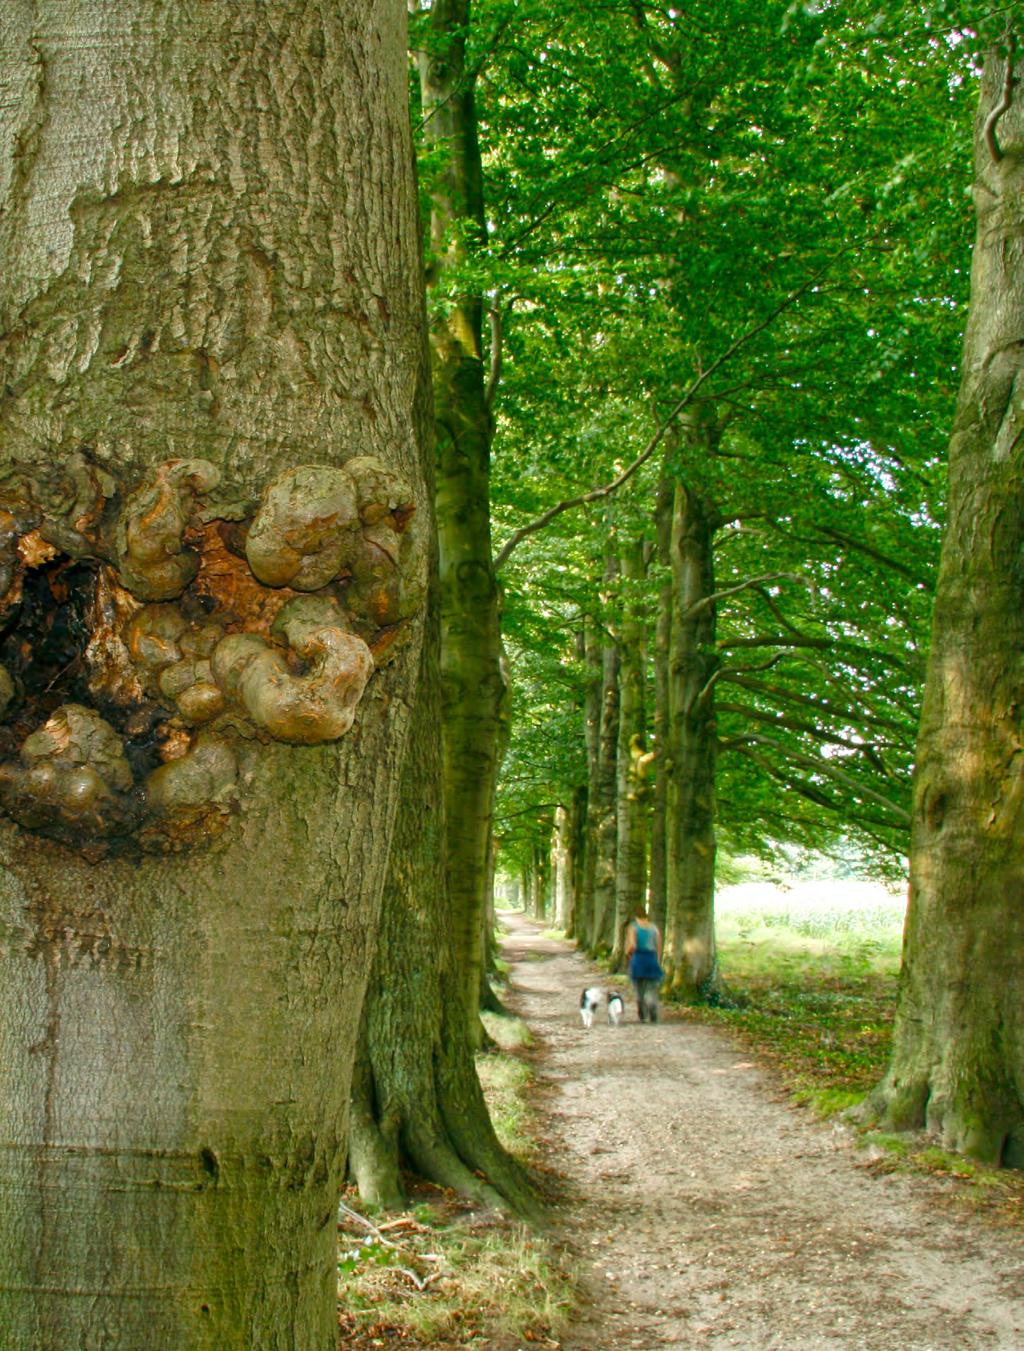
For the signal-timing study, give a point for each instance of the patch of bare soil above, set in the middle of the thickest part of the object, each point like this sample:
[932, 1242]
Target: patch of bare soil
[708, 1214]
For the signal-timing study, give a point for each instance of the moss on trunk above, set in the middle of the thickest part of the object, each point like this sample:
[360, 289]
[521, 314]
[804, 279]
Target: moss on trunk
[690, 960]
[958, 1052]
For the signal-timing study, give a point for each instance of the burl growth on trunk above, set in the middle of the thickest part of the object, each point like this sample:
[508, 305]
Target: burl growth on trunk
[143, 632]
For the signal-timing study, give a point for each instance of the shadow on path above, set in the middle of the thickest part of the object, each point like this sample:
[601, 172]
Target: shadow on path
[706, 1213]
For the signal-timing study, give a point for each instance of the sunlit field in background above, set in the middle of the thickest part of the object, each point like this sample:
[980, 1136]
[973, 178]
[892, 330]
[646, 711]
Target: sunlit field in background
[809, 973]
[813, 927]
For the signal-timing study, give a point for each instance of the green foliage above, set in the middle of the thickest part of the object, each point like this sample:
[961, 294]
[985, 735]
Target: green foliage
[652, 197]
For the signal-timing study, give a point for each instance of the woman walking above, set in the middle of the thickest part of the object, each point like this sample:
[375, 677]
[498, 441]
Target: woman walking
[643, 948]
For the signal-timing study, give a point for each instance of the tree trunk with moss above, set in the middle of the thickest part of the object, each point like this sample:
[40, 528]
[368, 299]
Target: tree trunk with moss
[561, 869]
[662, 634]
[416, 1098]
[603, 833]
[540, 878]
[958, 1052]
[591, 653]
[192, 211]
[690, 961]
[473, 678]
[631, 752]
[577, 853]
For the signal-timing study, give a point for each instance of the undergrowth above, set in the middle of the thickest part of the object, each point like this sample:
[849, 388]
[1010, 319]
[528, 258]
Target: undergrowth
[813, 995]
[445, 1275]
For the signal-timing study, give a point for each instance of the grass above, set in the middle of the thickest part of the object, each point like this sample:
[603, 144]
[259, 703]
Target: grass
[508, 1032]
[444, 1275]
[814, 988]
[505, 1081]
[461, 1280]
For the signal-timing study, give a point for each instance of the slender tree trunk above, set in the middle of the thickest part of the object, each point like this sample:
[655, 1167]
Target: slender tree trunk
[605, 825]
[662, 636]
[541, 880]
[489, 1001]
[631, 805]
[577, 848]
[561, 868]
[592, 729]
[690, 827]
[958, 1051]
[474, 687]
[192, 204]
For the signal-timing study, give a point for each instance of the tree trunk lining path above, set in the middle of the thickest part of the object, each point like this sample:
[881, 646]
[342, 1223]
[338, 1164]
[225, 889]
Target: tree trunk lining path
[708, 1213]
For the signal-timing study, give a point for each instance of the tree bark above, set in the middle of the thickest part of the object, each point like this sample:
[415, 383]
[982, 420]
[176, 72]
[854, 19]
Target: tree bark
[540, 876]
[631, 768]
[690, 961]
[561, 868]
[662, 635]
[584, 924]
[473, 677]
[416, 1097]
[958, 1053]
[577, 854]
[605, 830]
[209, 246]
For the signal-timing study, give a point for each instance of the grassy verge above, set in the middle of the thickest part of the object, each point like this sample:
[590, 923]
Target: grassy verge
[444, 1275]
[815, 993]
[506, 1080]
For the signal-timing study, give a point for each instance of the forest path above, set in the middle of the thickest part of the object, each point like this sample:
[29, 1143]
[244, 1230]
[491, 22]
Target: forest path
[707, 1213]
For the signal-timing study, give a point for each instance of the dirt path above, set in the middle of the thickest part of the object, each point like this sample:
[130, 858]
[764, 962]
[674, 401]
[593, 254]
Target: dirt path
[710, 1215]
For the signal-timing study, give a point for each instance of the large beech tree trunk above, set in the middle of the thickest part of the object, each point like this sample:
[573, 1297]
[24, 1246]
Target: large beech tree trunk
[209, 247]
[416, 1098]
[474, 684]
[958, 1053]
[690, 760]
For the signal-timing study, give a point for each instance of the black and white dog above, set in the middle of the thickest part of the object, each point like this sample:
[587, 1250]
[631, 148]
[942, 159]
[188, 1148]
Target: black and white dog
[591, 1000]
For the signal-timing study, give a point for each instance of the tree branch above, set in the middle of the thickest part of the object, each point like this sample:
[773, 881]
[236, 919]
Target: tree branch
[700, 605]
[1003, 106]
[800, 640]
[497, 334]
[597, 494]
[826, 706]
[841, 537]
[813, 730]
[819, 765]
[815, 795]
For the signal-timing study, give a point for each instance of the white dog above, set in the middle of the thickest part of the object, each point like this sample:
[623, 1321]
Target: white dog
[591, 1000]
